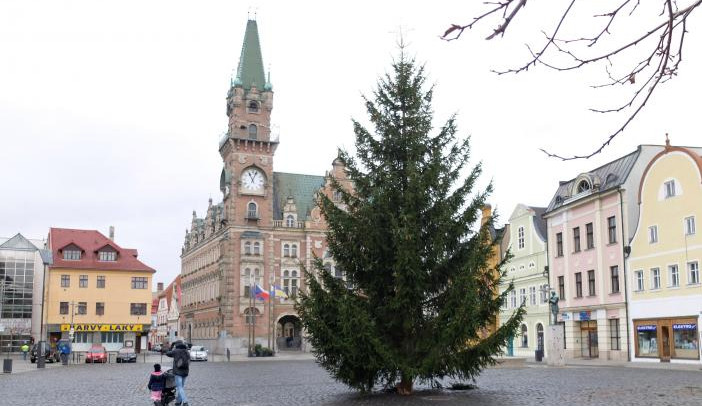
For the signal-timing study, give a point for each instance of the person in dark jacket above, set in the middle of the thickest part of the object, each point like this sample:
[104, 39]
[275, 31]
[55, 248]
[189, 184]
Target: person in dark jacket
[156, 383]
[181, 368]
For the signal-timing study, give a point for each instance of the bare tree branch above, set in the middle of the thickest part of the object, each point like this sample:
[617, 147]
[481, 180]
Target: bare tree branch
[659, 64]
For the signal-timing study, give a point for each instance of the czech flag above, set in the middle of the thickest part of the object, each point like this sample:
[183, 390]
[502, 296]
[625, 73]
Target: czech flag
[260, 293]
[278, 292]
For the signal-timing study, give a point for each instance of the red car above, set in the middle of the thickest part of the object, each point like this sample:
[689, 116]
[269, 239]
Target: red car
[96, 354]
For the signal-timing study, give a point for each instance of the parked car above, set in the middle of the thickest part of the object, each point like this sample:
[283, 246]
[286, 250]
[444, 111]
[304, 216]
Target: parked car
[96, 353]
[126, 354]
[157, 347]
[198, 353]
[51, 354]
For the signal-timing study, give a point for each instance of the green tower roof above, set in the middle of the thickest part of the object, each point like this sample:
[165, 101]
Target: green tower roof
[250, 70]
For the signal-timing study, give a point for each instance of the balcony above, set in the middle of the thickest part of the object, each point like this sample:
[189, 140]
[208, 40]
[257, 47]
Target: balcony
[285, 224]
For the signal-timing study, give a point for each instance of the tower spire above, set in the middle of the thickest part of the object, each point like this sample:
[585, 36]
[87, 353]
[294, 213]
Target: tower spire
[250, 71]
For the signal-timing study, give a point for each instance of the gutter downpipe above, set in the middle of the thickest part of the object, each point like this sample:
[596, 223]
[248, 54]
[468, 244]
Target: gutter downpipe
[625, 256]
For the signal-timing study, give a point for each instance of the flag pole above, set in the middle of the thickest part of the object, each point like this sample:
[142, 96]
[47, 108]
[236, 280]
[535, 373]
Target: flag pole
[270, 312]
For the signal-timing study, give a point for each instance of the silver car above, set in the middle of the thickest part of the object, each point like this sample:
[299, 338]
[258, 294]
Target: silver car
[198, 353]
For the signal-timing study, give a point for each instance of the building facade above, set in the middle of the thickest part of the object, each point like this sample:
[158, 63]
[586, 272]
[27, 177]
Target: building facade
[526, 271]
[21, 275]
[265, 231]
[173, 331]
[96, 292]
[666, 251]
[590, 221]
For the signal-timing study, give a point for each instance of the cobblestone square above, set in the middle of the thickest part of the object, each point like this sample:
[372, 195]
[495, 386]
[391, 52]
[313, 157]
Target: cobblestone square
[302, 382]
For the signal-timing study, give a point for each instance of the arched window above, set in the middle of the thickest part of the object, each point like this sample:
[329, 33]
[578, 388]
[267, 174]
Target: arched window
[247, 248]
[583, 186]
[257, 248]
[525, 336]
[253, 106]
[293, 250]
[251, 314]
[253, 132]
[286, 250]
[252, 211]
[290, 220]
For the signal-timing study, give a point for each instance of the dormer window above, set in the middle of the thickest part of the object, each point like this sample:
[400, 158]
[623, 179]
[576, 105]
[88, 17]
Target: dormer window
[253, 132]
[290, 221]
[253, 106]
[72, 253]
[107, 255]
[583, 186]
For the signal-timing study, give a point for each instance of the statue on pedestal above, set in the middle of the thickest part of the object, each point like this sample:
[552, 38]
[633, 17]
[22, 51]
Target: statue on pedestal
[553, 304]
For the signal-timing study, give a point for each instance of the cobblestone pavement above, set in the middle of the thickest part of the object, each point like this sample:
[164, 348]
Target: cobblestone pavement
[289, 382]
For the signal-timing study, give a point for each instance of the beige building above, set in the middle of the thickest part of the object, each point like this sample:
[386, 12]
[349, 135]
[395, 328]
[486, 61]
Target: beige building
[97, 292]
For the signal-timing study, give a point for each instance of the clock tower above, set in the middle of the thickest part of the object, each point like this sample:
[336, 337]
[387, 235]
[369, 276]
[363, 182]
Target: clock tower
[247, 148]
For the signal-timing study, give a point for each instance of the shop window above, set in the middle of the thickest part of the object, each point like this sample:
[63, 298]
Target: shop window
[674, 276]
[576, 239]
[614, 337]
[578, 284]
[614, 277]
[693, 269]
[647, 340]
[112, 337]
[686, 341]
[82, 337]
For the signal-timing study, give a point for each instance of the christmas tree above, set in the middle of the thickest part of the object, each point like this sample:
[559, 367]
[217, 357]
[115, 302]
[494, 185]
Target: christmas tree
[419, 300]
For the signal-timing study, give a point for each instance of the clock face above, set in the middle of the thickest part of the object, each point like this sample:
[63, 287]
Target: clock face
[252, 179]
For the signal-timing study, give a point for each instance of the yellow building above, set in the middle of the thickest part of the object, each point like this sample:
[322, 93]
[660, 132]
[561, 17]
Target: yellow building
[664, 265]
[97, 292]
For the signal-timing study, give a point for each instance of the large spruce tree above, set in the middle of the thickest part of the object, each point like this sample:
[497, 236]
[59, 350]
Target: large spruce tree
[420, 299]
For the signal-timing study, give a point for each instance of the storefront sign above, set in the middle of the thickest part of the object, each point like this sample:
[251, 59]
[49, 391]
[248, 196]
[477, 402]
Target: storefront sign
[565, 316]
[16, 326]
[646, 327]
[685, 326]
[102, 327]
[585, 316]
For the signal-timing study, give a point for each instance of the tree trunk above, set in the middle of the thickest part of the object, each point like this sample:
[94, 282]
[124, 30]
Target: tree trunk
[404, 388]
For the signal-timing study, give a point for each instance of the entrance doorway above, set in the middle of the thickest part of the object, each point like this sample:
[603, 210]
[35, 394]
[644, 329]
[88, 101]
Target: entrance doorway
[588, 339]
[289, 333]
[665, 344]
[510, 346]
[540, 337]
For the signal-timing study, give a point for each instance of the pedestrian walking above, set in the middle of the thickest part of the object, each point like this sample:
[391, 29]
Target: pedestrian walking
[181, 368]
[25, 350]
[156, 383]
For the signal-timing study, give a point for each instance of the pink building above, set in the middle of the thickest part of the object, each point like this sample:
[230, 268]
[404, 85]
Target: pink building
[589, 222]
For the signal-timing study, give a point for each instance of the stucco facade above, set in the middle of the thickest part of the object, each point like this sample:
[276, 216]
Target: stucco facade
[666, 252]
[525, 270]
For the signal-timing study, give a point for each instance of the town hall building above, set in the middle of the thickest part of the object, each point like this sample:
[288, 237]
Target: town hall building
[266, 230]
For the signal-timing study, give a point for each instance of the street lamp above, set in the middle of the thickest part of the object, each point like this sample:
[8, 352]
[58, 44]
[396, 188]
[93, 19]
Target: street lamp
[47, 260]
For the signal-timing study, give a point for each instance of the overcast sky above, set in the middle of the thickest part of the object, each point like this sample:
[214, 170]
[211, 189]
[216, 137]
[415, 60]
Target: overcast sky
[110, 111]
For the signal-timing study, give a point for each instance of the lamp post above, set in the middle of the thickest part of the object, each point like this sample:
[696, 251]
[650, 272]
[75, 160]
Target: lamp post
[47, 260]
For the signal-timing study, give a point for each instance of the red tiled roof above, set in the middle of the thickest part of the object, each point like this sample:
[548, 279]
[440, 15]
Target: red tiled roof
[90, 241]
[154, 306]
[169, 290]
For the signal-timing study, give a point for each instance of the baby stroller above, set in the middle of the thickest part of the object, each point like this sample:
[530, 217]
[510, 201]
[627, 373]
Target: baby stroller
[168, 391]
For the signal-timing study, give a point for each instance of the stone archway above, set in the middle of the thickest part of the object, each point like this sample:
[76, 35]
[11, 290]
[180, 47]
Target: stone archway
[288, 333]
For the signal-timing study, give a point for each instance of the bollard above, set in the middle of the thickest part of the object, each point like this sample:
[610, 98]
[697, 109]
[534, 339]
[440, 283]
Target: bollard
[228, 355]
[7, 365]
[144, 358]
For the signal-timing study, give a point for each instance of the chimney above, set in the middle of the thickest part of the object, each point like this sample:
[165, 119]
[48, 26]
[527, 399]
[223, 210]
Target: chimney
[487, 213]
[159, 287]
[112, 233]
